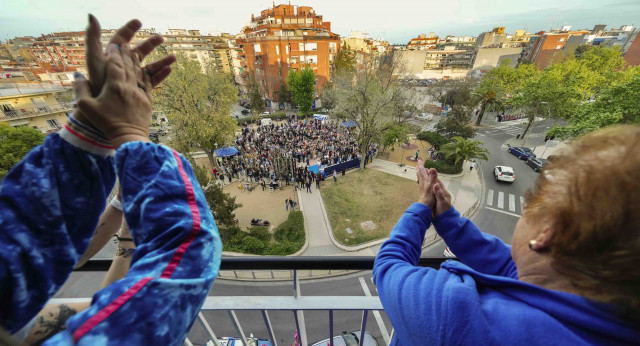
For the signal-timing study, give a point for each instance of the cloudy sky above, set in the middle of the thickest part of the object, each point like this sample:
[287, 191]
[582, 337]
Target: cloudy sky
[395, 20]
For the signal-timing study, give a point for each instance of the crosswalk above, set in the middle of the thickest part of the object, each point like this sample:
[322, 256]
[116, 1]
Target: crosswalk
[506, 202]
[515, 128]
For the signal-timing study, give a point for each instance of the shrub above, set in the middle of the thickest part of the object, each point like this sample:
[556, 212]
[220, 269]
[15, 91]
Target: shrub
[227, 233]
[443, 167]
[433, 138]
[291, 230]
[260, 232]
[253, 245]
[284, 248]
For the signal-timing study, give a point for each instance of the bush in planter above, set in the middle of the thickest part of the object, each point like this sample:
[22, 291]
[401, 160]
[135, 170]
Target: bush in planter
[253, 245]
[443, 167]
[291, 230]
[433, 138]
[260, 232]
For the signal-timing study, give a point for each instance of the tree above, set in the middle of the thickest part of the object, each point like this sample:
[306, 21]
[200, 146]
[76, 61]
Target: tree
[197, 101]
[456, 124]
[301, 85]
[222, 204]
[373, 97]
[619, 104]
[345, 61]
[462, 149]
[395, 134]
[490, 96]
[15, 143]
[283, 93]
[255, 95]
[459, 96]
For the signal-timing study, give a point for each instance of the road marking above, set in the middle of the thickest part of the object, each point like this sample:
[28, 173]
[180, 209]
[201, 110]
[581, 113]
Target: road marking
[490, 197]
[512, 202]
[502, 211]
[521, 204]
[480, 134]
[376, 313]
[500, 199]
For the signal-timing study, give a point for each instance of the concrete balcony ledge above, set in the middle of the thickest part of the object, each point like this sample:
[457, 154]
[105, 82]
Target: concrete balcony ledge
[30, 112]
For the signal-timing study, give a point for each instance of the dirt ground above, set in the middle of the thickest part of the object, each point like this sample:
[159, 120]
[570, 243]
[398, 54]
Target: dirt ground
[260, 204]
[405, 154]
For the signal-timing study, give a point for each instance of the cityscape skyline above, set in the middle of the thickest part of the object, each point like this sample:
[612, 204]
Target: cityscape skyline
[470, 18]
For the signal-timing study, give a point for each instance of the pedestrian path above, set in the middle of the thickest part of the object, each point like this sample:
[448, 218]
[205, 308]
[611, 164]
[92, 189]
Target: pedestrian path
[315, 223]
[504, 202]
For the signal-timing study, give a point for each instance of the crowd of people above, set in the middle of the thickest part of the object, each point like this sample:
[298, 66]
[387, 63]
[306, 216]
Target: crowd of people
[283, 153]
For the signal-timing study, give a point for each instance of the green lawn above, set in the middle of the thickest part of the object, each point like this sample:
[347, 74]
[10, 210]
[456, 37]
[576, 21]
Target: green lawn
[367, 195]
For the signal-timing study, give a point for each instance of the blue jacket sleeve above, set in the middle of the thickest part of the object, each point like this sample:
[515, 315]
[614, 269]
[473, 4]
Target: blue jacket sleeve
[49, 207]
[174, 265]
[482, 252]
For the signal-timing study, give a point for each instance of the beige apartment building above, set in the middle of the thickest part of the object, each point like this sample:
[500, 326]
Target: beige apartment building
[33, 104]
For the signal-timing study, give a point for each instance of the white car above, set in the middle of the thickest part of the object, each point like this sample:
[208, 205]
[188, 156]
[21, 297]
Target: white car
[504, 173]
[425, 116]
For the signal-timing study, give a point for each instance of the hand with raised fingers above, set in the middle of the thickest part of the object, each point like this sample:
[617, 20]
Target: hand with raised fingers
[443, 198]
[122, 110]
[97, 60]
[427, 178]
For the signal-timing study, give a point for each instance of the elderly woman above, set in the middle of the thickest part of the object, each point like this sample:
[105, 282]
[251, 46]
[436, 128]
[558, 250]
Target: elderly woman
[571, 275]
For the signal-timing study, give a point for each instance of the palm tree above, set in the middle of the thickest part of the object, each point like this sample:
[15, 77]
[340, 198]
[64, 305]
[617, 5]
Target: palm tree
[462, 149]
[489, 98]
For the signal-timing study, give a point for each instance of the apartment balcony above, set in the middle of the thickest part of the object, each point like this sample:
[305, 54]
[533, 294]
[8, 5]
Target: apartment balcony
[14, 89]
[30, 112]
[262, 297]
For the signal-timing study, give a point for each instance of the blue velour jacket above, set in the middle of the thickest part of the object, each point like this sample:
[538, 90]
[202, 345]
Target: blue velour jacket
[480, 302]
[49, 206]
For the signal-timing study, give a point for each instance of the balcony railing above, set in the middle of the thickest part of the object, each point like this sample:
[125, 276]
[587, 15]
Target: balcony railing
[28, 112]
[292, 269]
[13, 89]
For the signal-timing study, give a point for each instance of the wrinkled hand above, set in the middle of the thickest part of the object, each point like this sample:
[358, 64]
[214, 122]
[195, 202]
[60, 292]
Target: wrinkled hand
[427, 178]
[97, 60]
[122, 110]
[443, 198]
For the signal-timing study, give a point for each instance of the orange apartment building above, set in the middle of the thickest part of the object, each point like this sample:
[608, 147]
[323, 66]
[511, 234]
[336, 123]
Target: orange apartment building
[288, 37]
[422, 42]
[545, 48]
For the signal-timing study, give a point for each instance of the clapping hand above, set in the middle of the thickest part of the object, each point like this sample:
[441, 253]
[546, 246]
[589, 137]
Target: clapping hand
[432, 190]
[122, 110]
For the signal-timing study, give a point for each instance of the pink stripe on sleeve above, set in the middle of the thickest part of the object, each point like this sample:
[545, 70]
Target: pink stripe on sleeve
[109, 309]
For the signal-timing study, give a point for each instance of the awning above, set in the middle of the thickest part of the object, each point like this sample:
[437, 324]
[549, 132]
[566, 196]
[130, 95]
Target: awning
[349, 124]
[226, 151]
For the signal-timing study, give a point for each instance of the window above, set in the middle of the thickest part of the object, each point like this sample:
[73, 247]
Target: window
[256, 47]
[277, 50]
[562, 39]
[311, 46]
[53, 123]
[286, 50]
[312, 59]
[278, 21]
[300, 46]
[559, 46]
[278, 62]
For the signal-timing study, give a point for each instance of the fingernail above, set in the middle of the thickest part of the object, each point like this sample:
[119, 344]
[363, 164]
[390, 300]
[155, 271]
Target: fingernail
[147, 71]
[77, 75]
[117, 46]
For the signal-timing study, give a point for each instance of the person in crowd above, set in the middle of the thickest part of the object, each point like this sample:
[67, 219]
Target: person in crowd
[308, 184]
[335, 176]
[473, 164]
[286, 204]
[570, 276]
[51, 201]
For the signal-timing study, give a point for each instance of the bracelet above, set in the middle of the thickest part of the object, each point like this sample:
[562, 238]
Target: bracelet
[115, 202]
[122, 239]
[124, 252]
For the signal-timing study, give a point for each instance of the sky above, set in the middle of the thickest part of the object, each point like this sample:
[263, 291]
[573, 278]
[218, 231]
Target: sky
[397, 21]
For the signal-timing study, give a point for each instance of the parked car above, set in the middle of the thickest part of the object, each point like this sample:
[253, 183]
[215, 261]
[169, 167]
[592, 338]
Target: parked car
[244, 112]
[349, 339]
[536, 163]
[447, 253]
[521, 152]
[425, 116]
[504, 173]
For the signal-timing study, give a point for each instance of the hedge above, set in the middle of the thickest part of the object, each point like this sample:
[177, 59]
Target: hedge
[289, 238]
[443, 167]
[433, 138]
